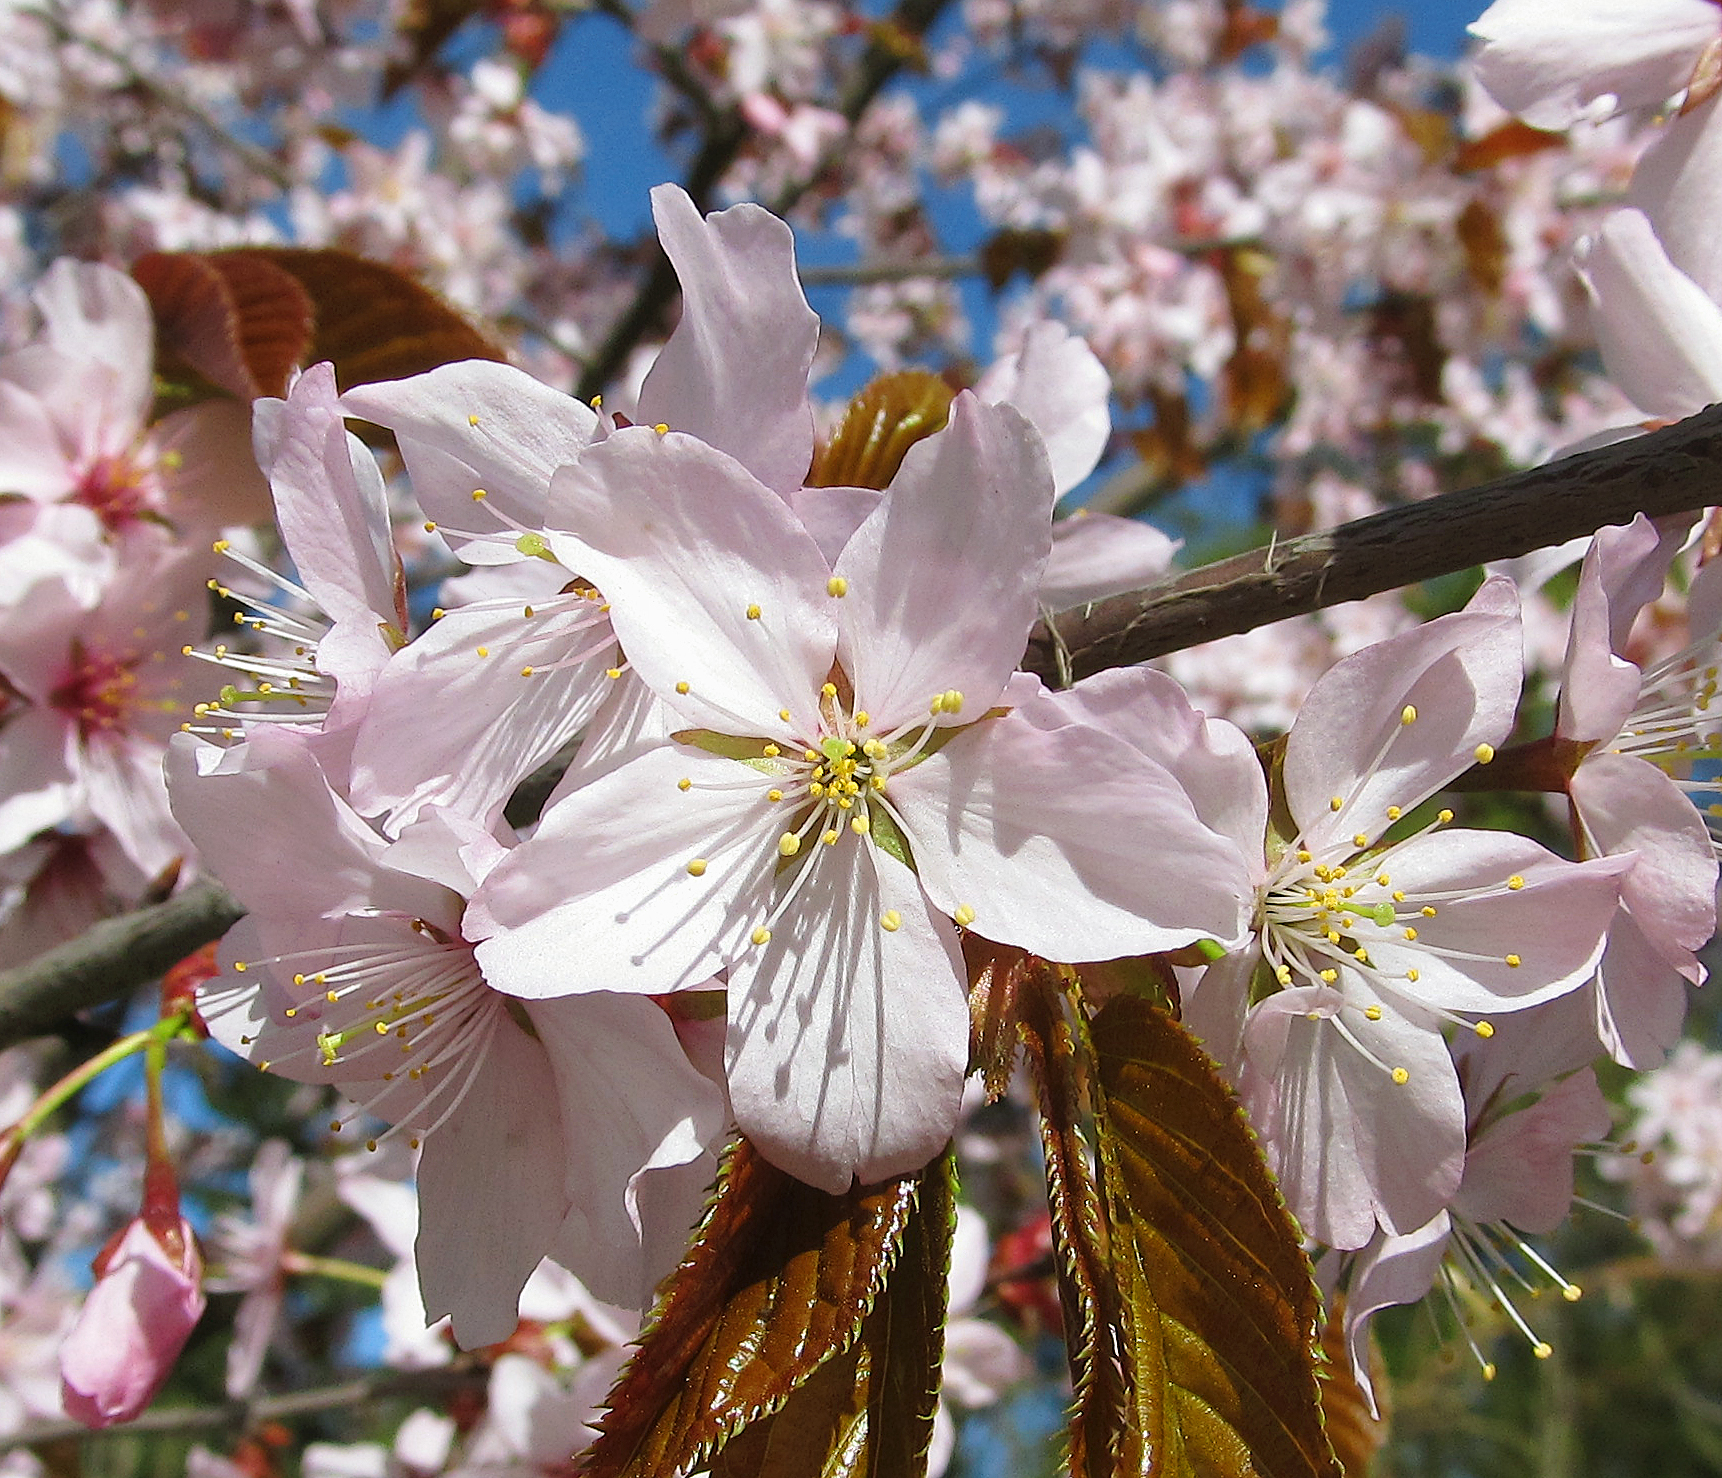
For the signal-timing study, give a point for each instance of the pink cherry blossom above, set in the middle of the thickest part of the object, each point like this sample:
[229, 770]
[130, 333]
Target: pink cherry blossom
[137, 1318]
[842, 789]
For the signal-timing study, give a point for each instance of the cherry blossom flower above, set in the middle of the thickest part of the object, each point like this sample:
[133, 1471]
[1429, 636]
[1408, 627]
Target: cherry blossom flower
[248, 1256]
[1369, 938]
[1625, 732]
[842, 790]
[136, 1320]
[352, 970]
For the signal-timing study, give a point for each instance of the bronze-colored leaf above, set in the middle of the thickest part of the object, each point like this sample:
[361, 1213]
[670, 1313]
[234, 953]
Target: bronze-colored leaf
[1219, 1308]
[778, 1282]
[868, 1413]
[236, 320]
[1087, 1289]
[372, 321]
[1168, 448]
[1356, 1432]
[1510, 140]
[1485, 243]
[1031, 252]
[879, 426]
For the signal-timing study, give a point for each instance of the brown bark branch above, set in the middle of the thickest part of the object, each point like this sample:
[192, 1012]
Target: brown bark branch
[1673, 470]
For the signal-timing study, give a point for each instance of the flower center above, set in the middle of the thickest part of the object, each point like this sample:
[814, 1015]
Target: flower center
[98, 692]
[116, 489]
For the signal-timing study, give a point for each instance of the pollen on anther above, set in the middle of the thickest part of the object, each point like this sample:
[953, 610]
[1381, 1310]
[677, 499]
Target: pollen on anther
[1410, 933]
[430, 525]
[860, 825]
[1443, 816]
[612, 673]
[783, 713]
[788, 844]
[1515, 882]
[697, 868]
[1408, 714]
[964, 916]
[774, 795]
[479, 495]
[753, 613]
[891, 921]
[837, 586]
[1428, 910]
[685, 783]
[761, 935]
[484, 651]
[681, 688]
[1394, 813]
[1361, 839]
[240, 966]
[472, 420]
[1484, 753]
[1337, 803]
[1372, 1012]
[1542, 1349]
[1484, 1029]
[526, 672]
[1401, 1076]
[829, 838]
[1513, 962]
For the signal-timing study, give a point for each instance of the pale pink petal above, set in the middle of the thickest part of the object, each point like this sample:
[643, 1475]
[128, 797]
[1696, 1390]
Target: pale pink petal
[1058, 383]
[1353, 1146]
[617, 1064]
[600, 897]
[1550, 64]
[91, 311]
[37, 785]
[1626, 804]
[981, 1362]
[1638, 998]
[498, 722]
[831, 515]
[1389, 1272]
[1095, 555]
[942, 579]
[208, 468]
[1213, 760]
[34, 461]
[1623, 571]
[629, 721]
[1554, 923]
[1215, 1003]
[1068, 843]
[487, 1209]
[329, 501]
[734, 373]
[847, 1041]
[1393, 723]
[685, 544]
[1520, 1170]
[475, 424]
[1678, 184]
[1659, 332]
[121, 780]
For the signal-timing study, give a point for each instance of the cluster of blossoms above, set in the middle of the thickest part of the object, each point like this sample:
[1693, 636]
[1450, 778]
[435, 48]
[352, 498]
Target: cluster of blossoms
[768, 661]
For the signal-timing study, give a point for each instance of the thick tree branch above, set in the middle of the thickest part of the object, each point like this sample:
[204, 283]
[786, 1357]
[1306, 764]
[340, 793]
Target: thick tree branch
[238, 1416]
[1674, 470]
[111, 958]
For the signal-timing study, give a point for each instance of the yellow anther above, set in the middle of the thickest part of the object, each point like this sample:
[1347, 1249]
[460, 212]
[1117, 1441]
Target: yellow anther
[685, 783]
[788, 844]
[863, 718]
[953, 701]
[1428, 910]
[771, 751]
[186, 651]
[1401, 1076]
[1484, 1029]
[891, 921]
[783, 713]
[1572, 1293]
[1399, 895]
[479, 495]
[761, 935]
[1361, 955]
[682, 688]
[438, 613]
[1282, 973]
[1330, 976]
[1542, 1349]
[1305, 855]
[964, 916]
[484, 651]
[1361, 839]
[526, 671]
[1394, 813]
[220, 546]
[430, 525]
[774, 795]
[662, 428]
[1513, 962]
[860, 825]
[829, 690]
[837, 586]
[1410, 933]
[829, 838]
[1443, 816]
[1372, 1012]
[1515, 882]
[597, 402]
[332, 997]
[1337, 803]
[472, 420]
[612, 673]
[1488, 1371]
[1414, 976]
[526, 612]
[1382, 880]
[1484, 753]
[697, 868]
[753, 613]
[1408, 714]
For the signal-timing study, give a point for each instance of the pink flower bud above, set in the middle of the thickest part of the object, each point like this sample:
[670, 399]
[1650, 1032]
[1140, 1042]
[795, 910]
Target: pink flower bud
[134, 1323]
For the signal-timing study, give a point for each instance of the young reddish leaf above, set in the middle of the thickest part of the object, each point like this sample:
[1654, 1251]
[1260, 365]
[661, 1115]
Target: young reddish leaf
[1088, 1292]
[240, 322]
[1510, 140]
[868, 1413]
[372, 321]
[777, 1283]
[1219, 1307]
[879, 426]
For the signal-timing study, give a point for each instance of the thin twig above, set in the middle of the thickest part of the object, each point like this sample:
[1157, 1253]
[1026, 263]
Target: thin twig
[237, 1416]
[861, 274]
[1674, 470]
[111, 958]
